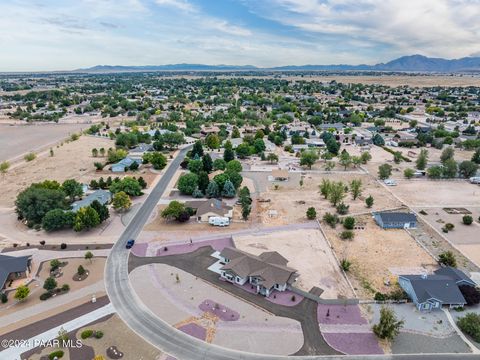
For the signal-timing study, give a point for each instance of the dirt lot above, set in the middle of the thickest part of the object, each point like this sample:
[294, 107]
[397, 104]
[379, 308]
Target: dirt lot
[308, 252]
[378, 255]
[18, 140]
[291, 201]
[72, 160]
[464, 237]
[434, 193]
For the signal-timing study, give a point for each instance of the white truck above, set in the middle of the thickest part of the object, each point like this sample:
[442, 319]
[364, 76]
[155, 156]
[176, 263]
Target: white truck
[219, 221]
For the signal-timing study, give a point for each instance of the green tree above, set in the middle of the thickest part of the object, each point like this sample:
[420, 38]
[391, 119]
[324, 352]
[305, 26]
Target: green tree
[207, 163]
[378, 140]
[89, 256]
[476, 156]
[242, 150]
[212, 190]
[246, 212]
[468, 169]
[435, 171]
[86, 218]
[311, 213]
[470, 325]
[349, 223]
[187, 183]
[121, 201]
[467, 220]
[325, 187]
[158, 160]
[384, 171]
[34, 202]
[389, 326]
[72, 188]
[345, 159]
[228, 189]
[308, 158]
[101, 209]
[397, 157]
[174, 210]
[356, 188]
[50, 284]
[336, 193]
[128, 185]
[197, 149]
[450, 168]
[57, 219]
[447, 154]
[94, 152]
[369, 201]
[195, 166]
[235, 133]
[235, 166]
[272, 158]
[203, 181]
[219, 164]
[408, 173]
[22, 293]
[212, 141]
[422, 159]
[365, 157]
[259, 146]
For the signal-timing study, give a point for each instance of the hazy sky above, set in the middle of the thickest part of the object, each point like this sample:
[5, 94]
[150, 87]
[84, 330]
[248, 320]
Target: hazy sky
[70, 34]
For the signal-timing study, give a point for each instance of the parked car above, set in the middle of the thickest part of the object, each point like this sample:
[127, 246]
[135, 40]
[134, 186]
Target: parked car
[390, 182]
[130, 243]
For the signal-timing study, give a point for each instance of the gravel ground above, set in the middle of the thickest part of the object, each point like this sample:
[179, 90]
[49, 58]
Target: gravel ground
[413, 343]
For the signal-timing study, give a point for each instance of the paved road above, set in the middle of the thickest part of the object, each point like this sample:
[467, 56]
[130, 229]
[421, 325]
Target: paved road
[154, 330]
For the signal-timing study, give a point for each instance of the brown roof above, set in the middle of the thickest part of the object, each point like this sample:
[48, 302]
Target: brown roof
[212, 205]
[269, 266]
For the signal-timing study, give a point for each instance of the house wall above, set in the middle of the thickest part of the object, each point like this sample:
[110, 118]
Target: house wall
[407, 287]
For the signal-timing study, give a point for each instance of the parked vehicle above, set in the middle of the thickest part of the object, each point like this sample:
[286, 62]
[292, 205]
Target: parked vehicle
[475, 180]
[130, 243]
[219, 221]
[390, 182]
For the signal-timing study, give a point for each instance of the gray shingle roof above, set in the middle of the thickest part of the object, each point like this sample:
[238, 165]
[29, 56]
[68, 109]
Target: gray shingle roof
[397, 217]
[102, 196]
[438, 287]
[455, 274]
[12, 264]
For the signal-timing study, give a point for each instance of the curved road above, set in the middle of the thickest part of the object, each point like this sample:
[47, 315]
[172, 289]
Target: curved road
[140, 319]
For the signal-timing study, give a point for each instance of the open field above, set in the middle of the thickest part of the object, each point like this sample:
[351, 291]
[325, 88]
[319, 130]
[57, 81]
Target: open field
[16, 141]
[290, 201]
[308, 252]
[378, 255]
[71, 160]
[435, 193]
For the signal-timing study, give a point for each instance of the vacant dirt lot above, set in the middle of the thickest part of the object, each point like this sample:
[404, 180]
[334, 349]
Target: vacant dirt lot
[71, 160]
[464, 237]
[290, 201]
[18, 140]
[378, 255]
[308, 252]
[433, 193]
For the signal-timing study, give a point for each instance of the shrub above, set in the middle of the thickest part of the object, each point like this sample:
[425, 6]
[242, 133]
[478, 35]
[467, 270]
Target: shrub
[342, 208]
[467, 220]
[449, 226]
[311, 213]
[345, 265]
[30, 156]
[46, 296]
[448, 259]
[80, 270]
[347, 235]
[54, 264]
[86, 334]
[380, 296]
[63, 246]
[56, 354]
[470, 325]
[388, 326]
[98, 334]
[471, 294]
[330, 219]
[3, 298]
[349, 223]
[65, 287]
[42, 242]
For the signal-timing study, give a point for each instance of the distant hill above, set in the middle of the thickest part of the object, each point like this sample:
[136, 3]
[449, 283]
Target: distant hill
[413, 63]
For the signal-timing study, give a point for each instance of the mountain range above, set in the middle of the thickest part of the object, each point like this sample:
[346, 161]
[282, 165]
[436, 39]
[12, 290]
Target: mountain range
[413, 63]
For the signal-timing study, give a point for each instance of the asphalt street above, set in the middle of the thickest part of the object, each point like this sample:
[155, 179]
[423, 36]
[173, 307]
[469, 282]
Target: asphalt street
[140, 319]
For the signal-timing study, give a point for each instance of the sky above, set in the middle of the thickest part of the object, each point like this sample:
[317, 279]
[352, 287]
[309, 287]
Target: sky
[49, 35]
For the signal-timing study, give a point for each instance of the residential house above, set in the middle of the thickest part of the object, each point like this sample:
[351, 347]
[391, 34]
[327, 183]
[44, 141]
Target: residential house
[204, 210]
[137, 152]
[430, 292]
[102, 196]
[395, 220]
[266, 272]
[14, 268]
[124, 164]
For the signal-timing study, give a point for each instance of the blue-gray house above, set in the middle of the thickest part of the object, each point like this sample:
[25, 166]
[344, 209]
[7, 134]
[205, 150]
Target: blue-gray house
[124, 164]
[102, 196]
[430, 292]
[395, 220]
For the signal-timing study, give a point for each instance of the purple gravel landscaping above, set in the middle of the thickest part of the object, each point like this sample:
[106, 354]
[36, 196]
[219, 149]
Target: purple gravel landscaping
[340, 314]
[194, 330]
[223, 312]
[353, 343]
[175, 249]
[140, 249]
[277, 297]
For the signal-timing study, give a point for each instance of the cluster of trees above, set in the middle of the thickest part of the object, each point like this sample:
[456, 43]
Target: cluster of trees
[105, 184]
[157, 159]
[245, 201]
[197, 182]
[449, 167]
[177, 211]
[335, 192]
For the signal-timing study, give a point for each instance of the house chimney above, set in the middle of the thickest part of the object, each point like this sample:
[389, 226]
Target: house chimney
[424, 276]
